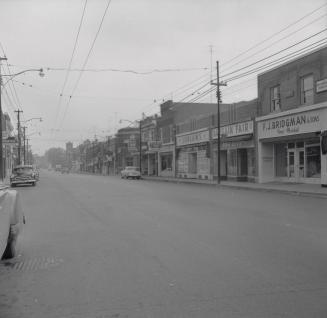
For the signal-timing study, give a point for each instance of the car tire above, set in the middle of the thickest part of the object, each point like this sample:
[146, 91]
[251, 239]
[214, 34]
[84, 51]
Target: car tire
[33, 184]
[13, 185]
[10, 250]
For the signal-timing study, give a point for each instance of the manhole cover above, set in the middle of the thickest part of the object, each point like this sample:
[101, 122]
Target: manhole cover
[35, 264]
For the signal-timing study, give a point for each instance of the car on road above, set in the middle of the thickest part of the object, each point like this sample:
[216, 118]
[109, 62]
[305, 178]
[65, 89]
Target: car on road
[64, 170]
[23, 174]
[130, 172]
[11, 221]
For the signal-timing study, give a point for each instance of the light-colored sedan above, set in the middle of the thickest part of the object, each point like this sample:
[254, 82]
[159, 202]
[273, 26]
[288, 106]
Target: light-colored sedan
[11, 221]
[131, 173]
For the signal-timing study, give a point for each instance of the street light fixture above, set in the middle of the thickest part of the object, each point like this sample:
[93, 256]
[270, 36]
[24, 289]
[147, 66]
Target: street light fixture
[11, 76]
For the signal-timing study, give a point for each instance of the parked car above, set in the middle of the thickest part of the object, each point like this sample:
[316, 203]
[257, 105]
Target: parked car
[11, 221]
[64, 170]
[23, 174]
[131, 172]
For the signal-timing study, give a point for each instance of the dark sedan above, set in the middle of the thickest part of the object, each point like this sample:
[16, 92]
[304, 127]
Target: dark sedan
[24, 174]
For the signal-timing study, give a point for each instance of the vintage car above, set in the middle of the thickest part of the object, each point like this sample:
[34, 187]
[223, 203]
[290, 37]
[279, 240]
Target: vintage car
[11, 221]
[131, 172]
[23, 174]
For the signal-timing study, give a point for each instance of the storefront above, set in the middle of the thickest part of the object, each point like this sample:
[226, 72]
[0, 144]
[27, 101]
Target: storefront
[237, 152]
[166, 161]
[193, 155]
[152, 157]
[289, 146]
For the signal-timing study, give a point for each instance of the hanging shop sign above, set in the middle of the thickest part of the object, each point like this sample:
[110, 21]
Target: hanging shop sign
[321, 85]
[305, 122]
[192, 138]
[238, 129]
[154, 145]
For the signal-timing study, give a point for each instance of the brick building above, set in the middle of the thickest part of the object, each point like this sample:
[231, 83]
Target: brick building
[293, 114]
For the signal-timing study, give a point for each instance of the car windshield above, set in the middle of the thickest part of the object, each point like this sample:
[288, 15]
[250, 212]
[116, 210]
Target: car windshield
[23, 170]
[132, 168]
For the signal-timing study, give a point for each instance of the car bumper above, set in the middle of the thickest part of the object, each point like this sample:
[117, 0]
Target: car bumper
[26, 181]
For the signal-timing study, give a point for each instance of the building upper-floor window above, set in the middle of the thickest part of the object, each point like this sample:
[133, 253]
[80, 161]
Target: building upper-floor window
[275, 98]
[307, 90]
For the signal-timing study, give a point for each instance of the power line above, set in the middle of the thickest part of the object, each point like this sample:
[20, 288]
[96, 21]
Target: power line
[86, 60]
[277, 41]
[70, 62]
[276, 53]
[310, 48]
[94, 70]
[273, 35]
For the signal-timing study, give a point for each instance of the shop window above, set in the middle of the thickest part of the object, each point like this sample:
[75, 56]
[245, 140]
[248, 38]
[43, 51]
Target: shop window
[166, 162]
[192, 162]
[307, 90]
[281, 160]
[313, 164]
[275, 98]
[251, 162]
[232, 162]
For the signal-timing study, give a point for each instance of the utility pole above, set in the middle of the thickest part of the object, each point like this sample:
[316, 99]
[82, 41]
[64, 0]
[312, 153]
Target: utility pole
[24, 136]
[1, 150]
[27, 157]
[19, 139]
[140, 146]
[218, 84]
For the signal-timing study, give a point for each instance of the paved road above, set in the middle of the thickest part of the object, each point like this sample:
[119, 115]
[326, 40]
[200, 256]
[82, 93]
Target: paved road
[105, 247]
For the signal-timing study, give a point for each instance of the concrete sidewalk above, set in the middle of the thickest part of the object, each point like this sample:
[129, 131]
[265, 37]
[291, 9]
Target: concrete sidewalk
[291, 188]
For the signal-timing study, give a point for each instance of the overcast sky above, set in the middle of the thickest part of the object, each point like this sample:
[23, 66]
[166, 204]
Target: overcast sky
[137, 35]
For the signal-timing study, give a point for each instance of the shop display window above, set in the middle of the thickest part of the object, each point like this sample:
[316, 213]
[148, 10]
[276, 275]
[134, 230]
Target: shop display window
[281, 160]
[166, 162]
[232, 162]
[313, 165]
[192, 162]
[251, 162]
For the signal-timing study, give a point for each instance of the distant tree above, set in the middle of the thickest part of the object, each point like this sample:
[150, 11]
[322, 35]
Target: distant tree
[55, 156]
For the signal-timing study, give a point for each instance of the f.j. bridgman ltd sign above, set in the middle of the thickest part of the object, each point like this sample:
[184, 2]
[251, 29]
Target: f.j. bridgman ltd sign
[289, 125]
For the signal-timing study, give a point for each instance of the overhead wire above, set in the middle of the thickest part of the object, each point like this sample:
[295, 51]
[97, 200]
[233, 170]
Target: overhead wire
[68, 69]
[275, 42]
[275, 34]
[85, 62]
[310, 48]
[276, 53]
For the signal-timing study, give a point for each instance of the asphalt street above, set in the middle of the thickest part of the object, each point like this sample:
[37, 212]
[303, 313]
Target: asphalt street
[97, 246]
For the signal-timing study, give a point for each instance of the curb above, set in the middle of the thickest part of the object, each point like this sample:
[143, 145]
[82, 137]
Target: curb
[282, 191]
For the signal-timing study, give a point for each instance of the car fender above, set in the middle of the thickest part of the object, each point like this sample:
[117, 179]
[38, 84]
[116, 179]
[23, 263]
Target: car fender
[4, 222]
[11, 203]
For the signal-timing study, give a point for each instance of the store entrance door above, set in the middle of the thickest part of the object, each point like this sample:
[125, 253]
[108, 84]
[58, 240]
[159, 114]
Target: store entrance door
[295, 163]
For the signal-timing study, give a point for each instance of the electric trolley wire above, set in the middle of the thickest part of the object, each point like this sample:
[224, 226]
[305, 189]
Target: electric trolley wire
[310, 48]
[275, 34]
[68, 69]
[85, 62]
[275, 42]
[276, 53]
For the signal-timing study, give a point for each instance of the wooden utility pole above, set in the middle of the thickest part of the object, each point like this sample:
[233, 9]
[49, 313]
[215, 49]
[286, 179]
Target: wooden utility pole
[19, 138]
[1, 147]
[218, 84]
[24, 145]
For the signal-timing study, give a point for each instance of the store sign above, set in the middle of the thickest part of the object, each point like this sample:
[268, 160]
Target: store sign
[9, 141]
[289, 125]
[321, 85]
[194, 138]
[234, 130]
[154, 145]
